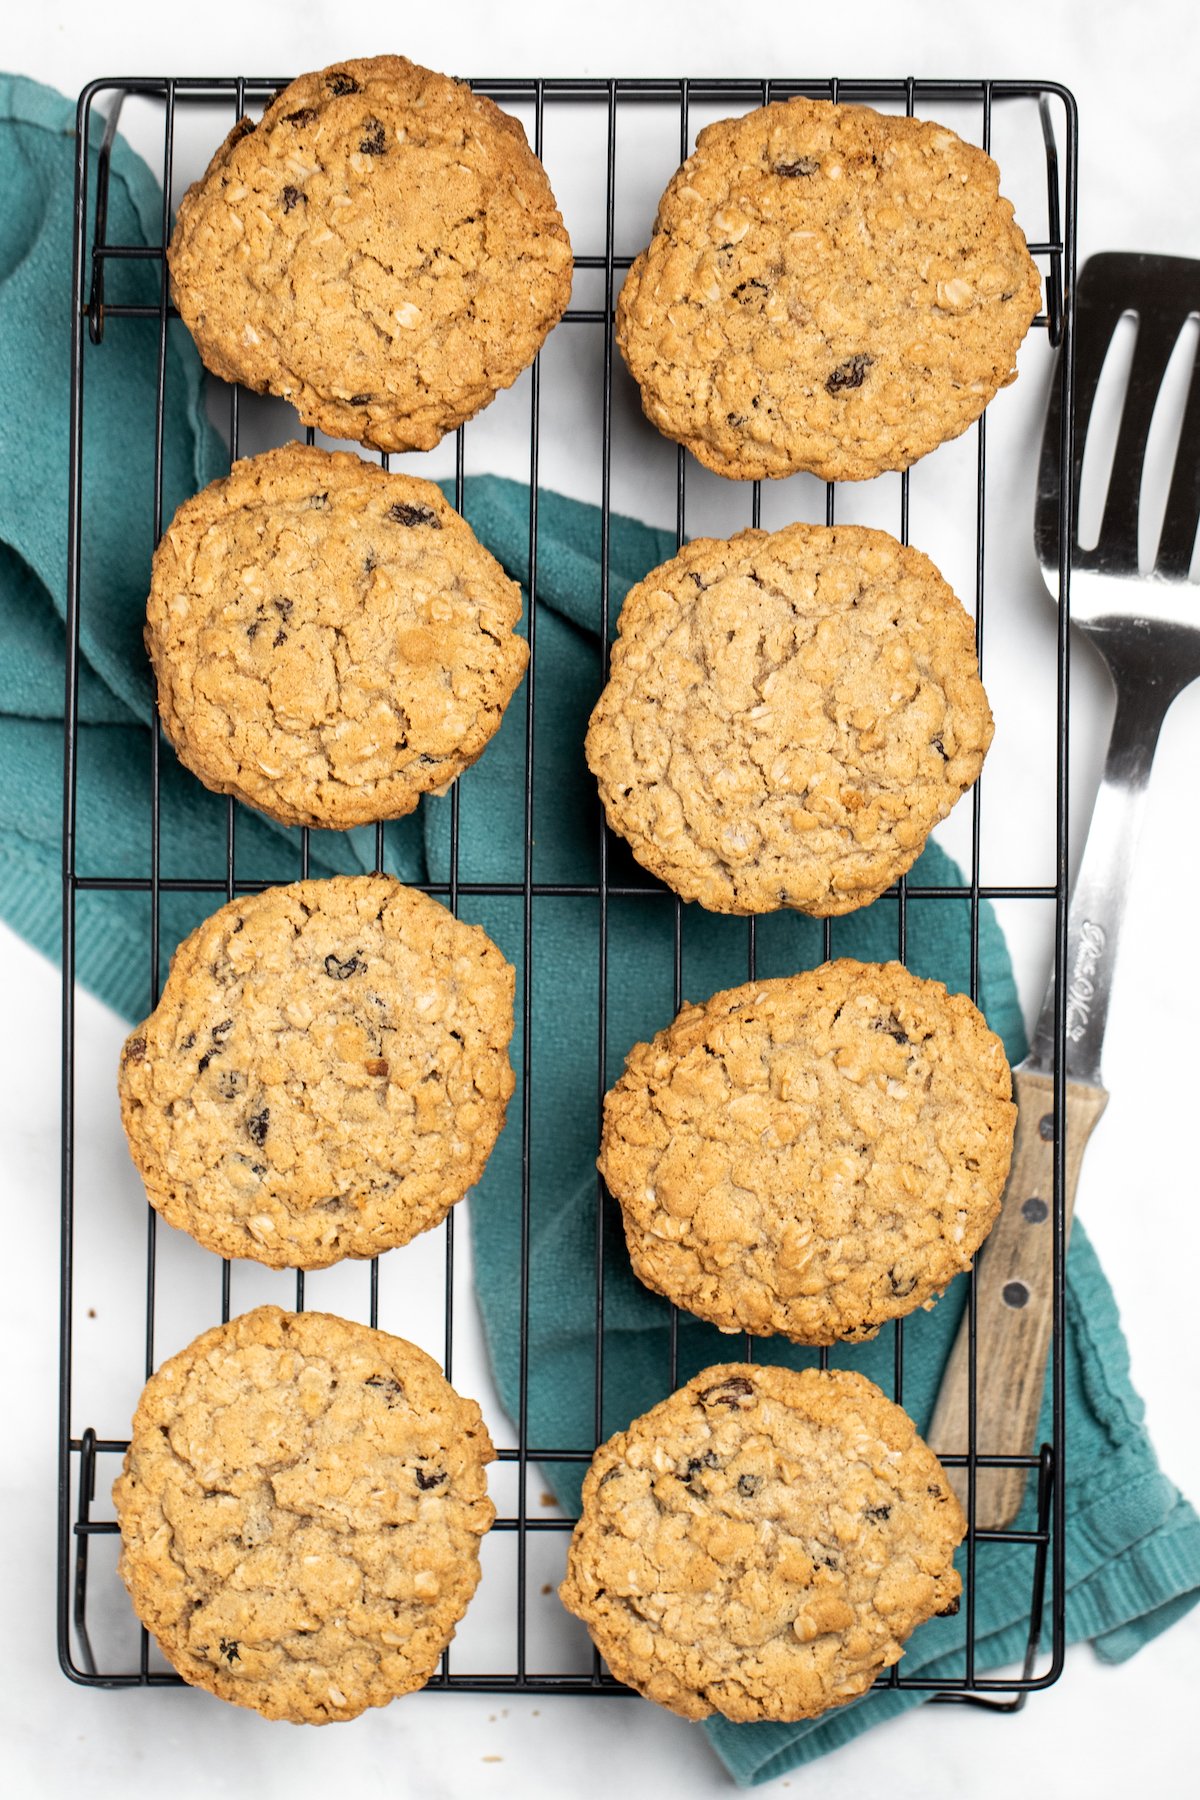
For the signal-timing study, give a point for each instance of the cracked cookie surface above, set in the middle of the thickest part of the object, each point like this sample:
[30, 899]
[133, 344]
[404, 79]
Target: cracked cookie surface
[301, 1507]
[330, 641]
[787, 716]
[827, 289]
[812, 1155]
[382, 249]
[762, 1542]
[325, 1073]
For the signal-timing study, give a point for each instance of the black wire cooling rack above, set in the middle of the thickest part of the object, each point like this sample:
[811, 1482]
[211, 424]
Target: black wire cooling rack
[87, 1583]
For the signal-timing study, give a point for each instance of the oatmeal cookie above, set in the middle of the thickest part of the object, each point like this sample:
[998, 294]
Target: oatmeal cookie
[330, 641]
[762, 1543]
[812, 1155]
[787, 716]
[827, 289]
[325, 1073]
[300, 1508]
[382, 249]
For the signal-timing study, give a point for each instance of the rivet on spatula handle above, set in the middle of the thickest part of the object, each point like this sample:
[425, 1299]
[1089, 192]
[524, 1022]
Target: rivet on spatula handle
[1014, 1313]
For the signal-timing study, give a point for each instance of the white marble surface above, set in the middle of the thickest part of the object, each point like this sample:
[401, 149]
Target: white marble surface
[1100, 1731]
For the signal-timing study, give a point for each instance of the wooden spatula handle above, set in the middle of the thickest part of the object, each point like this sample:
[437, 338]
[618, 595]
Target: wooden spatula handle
[1014, 1295]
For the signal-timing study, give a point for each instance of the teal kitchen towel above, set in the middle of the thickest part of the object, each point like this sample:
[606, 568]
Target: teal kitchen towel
[1133, 1545]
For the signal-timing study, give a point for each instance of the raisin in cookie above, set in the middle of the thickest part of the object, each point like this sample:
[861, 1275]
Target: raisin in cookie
[787, 716]
[325, 1073]
[762, 1543]
[382, 249]
[301, 1507]
[812, 1155]
[827, 289]
[330, 641]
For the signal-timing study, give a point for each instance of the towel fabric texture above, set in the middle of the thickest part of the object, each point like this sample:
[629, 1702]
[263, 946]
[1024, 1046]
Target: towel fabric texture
[1133, 1543]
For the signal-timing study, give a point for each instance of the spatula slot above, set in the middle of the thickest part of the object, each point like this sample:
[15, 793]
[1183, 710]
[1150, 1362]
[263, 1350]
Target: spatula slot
[1103, 427]
[1166, 451]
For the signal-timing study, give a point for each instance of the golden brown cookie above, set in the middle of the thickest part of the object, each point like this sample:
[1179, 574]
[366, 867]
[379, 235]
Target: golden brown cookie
[301, 1507]
[811, 1155]
[828, 289]
[330, 641]
[382, 249]
[787, 716]
[325, 1073]
[761, 1543]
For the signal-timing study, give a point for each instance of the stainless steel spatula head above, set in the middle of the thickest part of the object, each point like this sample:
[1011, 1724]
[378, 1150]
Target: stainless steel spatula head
[1160, 293]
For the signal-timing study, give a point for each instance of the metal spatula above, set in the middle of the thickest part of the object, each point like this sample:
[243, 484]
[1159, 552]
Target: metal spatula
[1147, 629]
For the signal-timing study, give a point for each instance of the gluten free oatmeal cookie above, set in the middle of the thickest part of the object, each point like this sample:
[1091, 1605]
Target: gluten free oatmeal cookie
[762, 1543]
[325, 1073]
[812, 1155]
[382, 249]
[330, 641]
[787, 716]
[827, 289]
[300, 1507]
